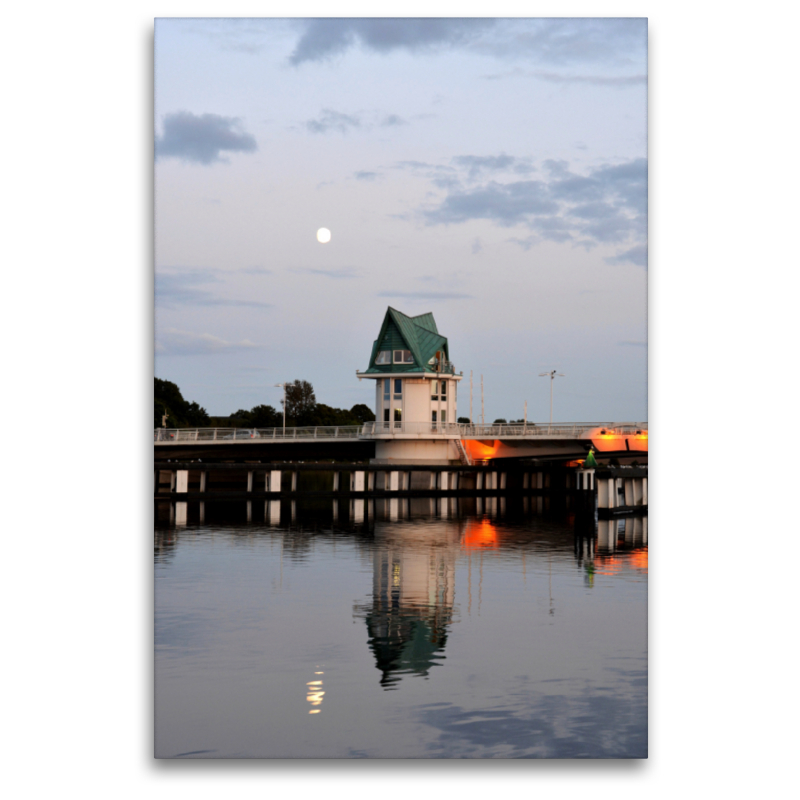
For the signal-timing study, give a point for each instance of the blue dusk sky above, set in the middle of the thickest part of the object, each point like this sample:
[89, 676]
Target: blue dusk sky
[492, 172]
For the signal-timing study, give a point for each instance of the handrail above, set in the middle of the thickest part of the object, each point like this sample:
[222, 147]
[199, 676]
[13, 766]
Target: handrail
[174, 435]
[422, 430]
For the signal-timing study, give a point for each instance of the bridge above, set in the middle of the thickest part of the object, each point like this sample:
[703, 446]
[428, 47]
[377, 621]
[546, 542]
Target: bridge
[472, 442]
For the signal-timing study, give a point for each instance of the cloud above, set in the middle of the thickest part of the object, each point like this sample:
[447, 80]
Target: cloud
[607, 205]
[425, 295]
[633, 344]
[391, 120]
[324, 38]
[255, 271]
[564, 42]
[607, 43]
[619, 81]
[182, 288]
[330, 120]
[176, 342]
[593, 80]
[201, 139]
[477, 246]
[477, 165]
[636, 255]
[363, 175]
[343, 272]
[506, 204]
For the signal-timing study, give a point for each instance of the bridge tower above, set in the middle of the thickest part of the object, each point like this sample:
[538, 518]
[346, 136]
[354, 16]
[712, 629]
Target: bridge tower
[416, 389]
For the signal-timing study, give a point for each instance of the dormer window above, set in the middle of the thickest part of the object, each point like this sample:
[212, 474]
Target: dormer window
[384, 357]
[403, 357]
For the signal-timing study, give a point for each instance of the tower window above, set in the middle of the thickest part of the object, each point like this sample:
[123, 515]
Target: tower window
[384, 357]
[403, 357]
[398, 386]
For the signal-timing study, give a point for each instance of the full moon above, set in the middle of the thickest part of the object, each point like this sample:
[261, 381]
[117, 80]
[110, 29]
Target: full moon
[323, 235]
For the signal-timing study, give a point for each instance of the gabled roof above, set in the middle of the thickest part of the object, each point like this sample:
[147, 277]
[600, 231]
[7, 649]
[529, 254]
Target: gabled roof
[420, 336]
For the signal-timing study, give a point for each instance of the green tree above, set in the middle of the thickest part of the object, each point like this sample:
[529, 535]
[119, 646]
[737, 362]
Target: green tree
[300, 401]
[169, 400]
[464, 420]
[265, 417]
[362, 413]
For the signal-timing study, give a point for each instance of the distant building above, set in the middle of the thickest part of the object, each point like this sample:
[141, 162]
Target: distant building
[416, 388]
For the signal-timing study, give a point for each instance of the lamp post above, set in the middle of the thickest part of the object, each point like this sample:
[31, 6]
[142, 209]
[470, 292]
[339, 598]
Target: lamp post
[283, 385]
[552, 375]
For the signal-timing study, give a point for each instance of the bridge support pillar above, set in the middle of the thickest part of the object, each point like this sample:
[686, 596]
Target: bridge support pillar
[249, 483]
[357, 482]
[181, 510]
[629, 497]
[357, 509]
[526, 480]
[644, 503]
[604, 534]
[371, 481]
[394, 481]
[444, 483]
[274, 481]
[182, 481]
[335, 483]
[503, 479]
[203, 480]
[294, 481]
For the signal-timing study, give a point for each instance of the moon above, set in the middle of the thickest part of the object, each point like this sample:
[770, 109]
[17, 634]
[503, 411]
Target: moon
[323, 235]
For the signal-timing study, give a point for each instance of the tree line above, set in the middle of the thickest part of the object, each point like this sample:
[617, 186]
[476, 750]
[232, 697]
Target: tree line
[302, 409]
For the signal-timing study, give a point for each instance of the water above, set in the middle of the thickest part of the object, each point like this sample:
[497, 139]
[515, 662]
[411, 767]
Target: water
[407, 629]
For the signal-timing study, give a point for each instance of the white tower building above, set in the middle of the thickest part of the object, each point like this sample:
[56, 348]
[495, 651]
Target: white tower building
[416, 391]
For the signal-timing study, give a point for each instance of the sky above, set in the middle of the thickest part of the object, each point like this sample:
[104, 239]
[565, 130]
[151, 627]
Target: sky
[492, 172]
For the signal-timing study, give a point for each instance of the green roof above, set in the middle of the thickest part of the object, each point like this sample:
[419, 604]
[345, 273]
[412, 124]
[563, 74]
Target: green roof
[417, 334]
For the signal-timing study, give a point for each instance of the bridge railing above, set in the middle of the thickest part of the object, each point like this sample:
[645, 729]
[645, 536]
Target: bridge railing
[527, 430]
[499, 431]
[426, 430]
[173, 435]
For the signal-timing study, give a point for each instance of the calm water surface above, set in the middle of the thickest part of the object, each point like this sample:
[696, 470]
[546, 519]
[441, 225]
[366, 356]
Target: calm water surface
[402, 629]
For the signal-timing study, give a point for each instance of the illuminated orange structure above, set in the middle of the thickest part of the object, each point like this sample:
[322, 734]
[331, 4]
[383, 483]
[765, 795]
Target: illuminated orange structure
[479, 535]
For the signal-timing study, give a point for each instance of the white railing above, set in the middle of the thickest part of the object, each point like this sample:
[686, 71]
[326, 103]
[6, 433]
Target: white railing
[571, 430]
[422, 430]
[174, 435]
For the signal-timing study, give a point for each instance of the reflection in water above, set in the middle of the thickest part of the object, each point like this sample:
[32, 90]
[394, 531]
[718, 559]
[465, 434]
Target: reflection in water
[413, 584]
[314, 692]
[261, 651]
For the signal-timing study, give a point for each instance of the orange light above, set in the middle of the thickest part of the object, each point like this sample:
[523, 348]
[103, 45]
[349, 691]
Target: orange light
[478, 451]
[480, 534]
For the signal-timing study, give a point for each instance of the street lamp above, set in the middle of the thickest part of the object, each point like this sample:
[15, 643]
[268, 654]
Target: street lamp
[552, 375]
[284, 406]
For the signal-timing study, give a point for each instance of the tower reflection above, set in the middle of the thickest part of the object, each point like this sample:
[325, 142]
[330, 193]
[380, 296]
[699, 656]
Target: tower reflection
[413, 593]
